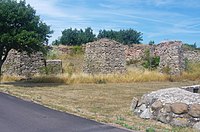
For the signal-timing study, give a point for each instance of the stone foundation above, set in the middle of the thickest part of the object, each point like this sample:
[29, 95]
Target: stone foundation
[175, 106]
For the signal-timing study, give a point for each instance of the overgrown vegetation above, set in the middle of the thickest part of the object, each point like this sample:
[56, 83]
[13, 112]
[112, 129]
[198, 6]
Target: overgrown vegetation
[150, 62]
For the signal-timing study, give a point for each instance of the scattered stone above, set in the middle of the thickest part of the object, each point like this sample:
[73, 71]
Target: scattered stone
[146, 114]
[156, 105]
[179, 108]
[166, 108]
[194, 110]
[182, 122]
[197, 126]
[134, 103]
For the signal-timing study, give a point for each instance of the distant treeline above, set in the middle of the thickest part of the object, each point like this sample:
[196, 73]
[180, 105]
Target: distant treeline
[77, 37]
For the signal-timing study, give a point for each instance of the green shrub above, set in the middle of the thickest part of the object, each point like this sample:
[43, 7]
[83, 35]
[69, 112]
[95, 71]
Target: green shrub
[150, 62]
[77, 50]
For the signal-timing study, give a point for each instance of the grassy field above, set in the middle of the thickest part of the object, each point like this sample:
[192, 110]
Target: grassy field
[108, 103]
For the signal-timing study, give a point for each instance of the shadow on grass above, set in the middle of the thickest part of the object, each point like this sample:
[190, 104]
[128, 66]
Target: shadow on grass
[36, 82]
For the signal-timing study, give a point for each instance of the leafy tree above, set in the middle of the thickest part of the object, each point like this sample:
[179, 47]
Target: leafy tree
[151, 42]
[126, 37]
[20, 29]
[77, 37]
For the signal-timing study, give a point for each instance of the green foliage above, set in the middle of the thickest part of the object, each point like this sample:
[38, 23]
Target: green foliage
[190, 46]
[77, 50]
[56, 42]
[126, 37]
[77, 37]
[21, 29]
[150, 129]
[151, 42]
[150, 62]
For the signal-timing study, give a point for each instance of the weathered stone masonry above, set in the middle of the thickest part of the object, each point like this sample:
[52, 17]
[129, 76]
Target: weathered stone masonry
[170, 52]
[175, 106]
[171, 57]
[20, 64]
[104, 56]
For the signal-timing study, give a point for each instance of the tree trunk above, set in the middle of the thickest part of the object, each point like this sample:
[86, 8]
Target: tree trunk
[1, 64]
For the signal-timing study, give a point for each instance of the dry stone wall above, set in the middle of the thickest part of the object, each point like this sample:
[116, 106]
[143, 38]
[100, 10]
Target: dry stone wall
[104, 56]
[21, 64]
[54, 66]
[175, 106]
[171, 57]
[170, 52]
[193, 56]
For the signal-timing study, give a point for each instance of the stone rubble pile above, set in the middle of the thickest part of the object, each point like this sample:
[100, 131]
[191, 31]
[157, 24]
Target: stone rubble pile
[174, 106]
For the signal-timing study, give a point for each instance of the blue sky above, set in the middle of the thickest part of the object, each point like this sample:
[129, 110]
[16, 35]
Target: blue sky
[158, 20]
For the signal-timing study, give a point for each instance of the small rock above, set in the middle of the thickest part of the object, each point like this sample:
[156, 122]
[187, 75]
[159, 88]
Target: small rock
[146, 114]
[164, 118]
[197, 126]
[142, 107]
[194, 110]
[156, 105]
[182, 122]
[179, 108]
[134, 103]
[167, 108]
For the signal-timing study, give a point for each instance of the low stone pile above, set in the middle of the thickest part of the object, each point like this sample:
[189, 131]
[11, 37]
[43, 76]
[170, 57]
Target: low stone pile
[174, 106]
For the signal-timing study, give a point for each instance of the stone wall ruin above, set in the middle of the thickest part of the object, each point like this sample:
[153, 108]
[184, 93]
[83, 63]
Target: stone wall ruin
[171, 57]
[20, 64]
[104, 56]
[170, 52]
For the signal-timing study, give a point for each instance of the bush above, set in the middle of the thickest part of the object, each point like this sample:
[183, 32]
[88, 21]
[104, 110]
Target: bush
[150, 62]
[77, 50]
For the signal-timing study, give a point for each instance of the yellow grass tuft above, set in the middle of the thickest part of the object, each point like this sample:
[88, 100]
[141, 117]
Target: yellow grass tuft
[7, 78]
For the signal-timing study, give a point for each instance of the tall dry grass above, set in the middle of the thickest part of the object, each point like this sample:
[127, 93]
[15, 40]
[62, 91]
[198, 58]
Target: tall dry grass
[7, 78]
[132, 75]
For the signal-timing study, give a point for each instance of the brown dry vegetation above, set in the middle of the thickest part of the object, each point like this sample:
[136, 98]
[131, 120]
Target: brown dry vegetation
[108, 103]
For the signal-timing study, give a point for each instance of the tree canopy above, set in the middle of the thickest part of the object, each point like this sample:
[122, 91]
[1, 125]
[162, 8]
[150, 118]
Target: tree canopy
[126, 37]
[76, 37]
[21, 29]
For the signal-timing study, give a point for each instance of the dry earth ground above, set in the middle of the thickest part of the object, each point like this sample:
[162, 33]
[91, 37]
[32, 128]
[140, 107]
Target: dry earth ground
[108, 103]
